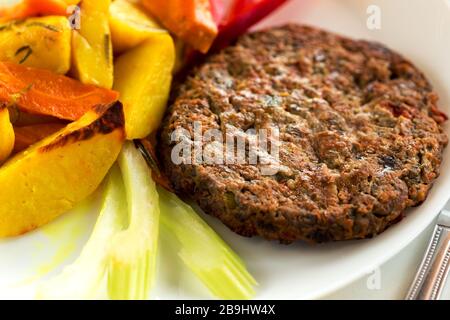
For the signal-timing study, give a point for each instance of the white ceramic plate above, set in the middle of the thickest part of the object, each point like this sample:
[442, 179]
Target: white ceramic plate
[420, 29]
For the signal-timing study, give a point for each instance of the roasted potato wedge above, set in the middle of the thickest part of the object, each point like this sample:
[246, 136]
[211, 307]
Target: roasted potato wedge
[6, 134]
[92, 52]
[49, 178]
[143, 77]
[130, 25]
[43, 43]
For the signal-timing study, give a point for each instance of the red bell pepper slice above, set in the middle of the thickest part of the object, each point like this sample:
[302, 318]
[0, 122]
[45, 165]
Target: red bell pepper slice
[217, 10]
[243, 15]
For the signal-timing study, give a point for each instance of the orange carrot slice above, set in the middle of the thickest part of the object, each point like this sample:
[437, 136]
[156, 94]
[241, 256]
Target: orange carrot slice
[29, 135]
[22, 119]
[43, 92]
[191, 20]
[32, 8]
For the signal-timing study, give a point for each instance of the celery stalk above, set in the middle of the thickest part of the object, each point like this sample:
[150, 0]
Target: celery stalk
[132, 260]
[204, 252]
[82, 279]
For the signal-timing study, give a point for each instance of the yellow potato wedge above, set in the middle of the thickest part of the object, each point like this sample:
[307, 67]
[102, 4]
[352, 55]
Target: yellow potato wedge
[130, 25]
[92, 54]
[7, 137]
[49, 178]
[37, 42]
[72, 2]
[143, 77]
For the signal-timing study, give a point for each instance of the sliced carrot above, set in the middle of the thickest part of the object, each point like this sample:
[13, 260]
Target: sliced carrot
[29, 135]
[43, 92]
[22, 119]
[191, 20]
[32, 8]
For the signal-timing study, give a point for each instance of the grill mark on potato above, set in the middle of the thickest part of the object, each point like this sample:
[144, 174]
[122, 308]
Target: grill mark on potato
[111, 119]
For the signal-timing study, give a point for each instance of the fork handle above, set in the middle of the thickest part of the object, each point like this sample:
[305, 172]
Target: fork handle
[434, 269]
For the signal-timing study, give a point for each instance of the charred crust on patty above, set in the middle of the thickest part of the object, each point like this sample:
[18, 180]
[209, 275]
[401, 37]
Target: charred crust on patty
[359, 124]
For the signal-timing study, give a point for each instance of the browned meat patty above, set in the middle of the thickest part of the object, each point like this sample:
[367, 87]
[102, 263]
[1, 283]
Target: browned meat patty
[359, 126]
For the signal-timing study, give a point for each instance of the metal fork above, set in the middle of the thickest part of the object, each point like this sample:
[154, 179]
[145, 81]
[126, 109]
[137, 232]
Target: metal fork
[431, 277]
